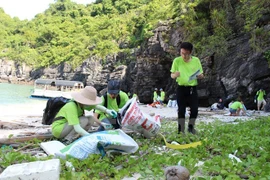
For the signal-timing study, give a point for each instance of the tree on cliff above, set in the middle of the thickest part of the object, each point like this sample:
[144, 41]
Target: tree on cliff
[70, 32]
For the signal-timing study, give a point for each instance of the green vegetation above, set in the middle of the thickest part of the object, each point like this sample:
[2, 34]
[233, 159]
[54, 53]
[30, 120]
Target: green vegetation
[70, 32]
[247, 140]
[267, 56]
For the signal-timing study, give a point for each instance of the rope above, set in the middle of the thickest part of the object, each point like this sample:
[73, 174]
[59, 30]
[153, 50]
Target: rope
[179, 146]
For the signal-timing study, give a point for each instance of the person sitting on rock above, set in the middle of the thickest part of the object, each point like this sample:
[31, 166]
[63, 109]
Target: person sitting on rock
[218, 105]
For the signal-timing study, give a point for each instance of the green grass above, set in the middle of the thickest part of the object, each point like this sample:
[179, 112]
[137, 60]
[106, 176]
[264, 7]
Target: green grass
[251, 140]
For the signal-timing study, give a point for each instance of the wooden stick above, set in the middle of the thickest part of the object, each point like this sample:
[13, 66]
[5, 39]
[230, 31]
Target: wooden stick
[24, 147]
[14, 140]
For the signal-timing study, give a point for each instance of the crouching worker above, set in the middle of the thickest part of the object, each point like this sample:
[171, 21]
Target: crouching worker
[70, 119]
[114, 99]
[237, 107]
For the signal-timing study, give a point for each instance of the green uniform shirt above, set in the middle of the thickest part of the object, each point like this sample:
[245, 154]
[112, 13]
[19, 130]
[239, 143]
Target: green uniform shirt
[186, 69]
[236, 105]
[155, 96]
[112, 104]
[260, 95]
[162, 95]
[70, 113]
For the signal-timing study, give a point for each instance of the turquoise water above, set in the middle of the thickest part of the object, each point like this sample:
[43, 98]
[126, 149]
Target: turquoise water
[16, 94]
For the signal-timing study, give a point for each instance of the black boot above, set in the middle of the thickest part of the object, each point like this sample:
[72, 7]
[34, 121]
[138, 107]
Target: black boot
[181, 126]
[191, 129]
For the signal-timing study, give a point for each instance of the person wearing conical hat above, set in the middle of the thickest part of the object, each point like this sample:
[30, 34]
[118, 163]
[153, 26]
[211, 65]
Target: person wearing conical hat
[70, 119]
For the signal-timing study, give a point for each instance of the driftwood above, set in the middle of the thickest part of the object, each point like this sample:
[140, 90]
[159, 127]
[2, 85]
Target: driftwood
[19, 125]
[13, 124]
[29, 136]
[21, 139]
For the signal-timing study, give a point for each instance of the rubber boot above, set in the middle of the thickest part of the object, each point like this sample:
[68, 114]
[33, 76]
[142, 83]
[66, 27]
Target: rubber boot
[181, 126]
[191, 126]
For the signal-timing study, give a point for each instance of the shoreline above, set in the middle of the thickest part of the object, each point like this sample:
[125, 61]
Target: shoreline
[25, 110]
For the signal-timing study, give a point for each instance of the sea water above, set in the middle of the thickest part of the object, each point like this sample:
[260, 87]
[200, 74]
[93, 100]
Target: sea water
[17, 94]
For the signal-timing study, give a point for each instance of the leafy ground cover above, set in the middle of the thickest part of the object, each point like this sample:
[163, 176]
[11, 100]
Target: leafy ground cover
[247, 140]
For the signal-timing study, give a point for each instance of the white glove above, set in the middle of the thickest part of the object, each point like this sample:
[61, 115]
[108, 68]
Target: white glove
[106, 125]
[112, 113]
[254, 100]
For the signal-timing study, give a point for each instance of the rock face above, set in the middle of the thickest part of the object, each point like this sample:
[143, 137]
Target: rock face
[240, 72]
[153, 66]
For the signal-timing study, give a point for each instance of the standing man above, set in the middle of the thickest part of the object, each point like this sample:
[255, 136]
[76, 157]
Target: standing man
[155, 95]
[186, 69]
[162, 96]
[260, 99]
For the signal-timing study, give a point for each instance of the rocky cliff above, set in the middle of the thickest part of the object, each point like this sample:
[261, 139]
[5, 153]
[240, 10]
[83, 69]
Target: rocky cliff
[239, 72]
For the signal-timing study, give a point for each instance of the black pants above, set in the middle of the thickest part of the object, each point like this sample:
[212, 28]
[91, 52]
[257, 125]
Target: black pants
[187, 96]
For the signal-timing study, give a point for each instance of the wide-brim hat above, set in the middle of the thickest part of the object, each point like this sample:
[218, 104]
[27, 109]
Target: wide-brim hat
[87, 96]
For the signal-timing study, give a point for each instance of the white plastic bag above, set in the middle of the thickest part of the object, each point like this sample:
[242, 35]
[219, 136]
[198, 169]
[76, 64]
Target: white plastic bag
[133, 118]
[104, 140]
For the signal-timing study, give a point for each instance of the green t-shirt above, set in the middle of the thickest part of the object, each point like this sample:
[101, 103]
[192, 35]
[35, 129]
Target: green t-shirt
[162, 95]
[186, 69]
[112, 104]
[236, 105]
[155, 96]
[70, 113]
[260, 95]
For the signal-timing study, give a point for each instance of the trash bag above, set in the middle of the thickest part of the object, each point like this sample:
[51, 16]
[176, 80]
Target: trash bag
[134, 119]
[99, 143]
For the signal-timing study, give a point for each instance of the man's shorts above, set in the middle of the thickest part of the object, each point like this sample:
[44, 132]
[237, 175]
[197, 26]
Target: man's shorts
[260, 102]
[233, 111]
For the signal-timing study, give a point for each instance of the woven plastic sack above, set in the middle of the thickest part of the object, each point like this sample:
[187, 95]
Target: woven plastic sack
[134, 119]
[100, 142]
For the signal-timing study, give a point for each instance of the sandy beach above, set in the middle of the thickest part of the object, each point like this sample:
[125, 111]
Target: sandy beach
[23, 112]
[21, 120]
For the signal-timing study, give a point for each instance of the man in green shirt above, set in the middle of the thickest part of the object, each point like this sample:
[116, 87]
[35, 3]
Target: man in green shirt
[236, 107]
[162, 96]
[155, 95]
[114, 100]
[186, 69]
[260, 99]
[70, 119]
